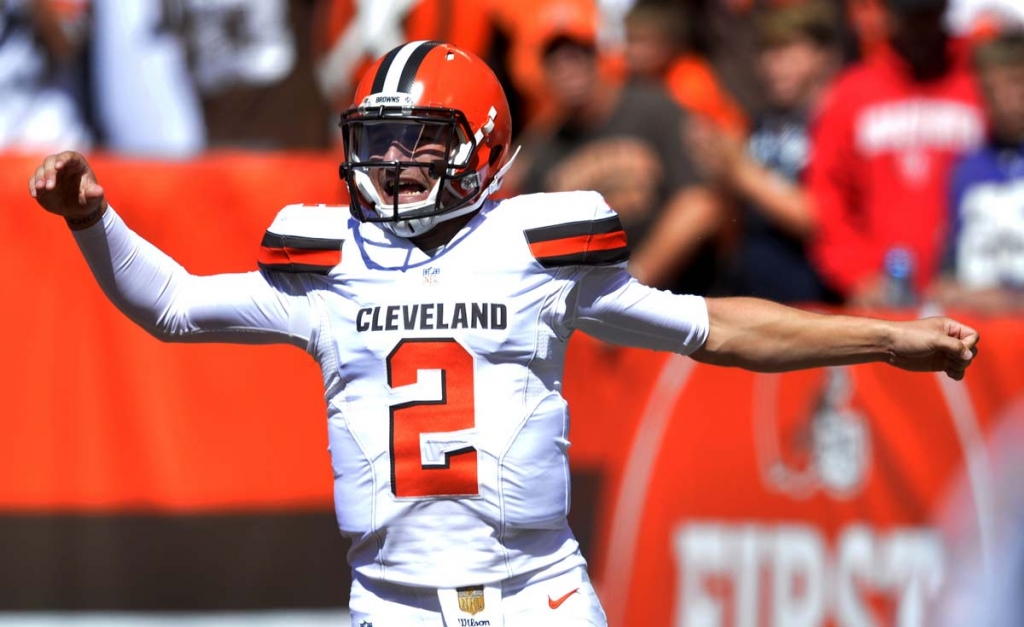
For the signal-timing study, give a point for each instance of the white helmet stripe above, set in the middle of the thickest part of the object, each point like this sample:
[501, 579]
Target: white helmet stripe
[393, 78]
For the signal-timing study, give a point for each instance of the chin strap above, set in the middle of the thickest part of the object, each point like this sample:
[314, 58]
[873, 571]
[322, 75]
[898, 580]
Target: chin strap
[500, 174]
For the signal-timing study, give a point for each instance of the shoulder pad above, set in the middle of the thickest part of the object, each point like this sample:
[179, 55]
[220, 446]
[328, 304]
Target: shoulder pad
[574, 229]
[305, 238]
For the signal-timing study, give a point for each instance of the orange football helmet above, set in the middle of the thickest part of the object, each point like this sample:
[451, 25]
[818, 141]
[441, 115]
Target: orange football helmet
[427, 138]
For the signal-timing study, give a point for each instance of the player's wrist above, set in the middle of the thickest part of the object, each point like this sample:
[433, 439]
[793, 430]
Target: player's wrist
[869, 339]
[885, 334]
[80, 223]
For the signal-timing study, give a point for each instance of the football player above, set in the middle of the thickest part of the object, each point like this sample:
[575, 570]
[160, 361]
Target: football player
[440, 319]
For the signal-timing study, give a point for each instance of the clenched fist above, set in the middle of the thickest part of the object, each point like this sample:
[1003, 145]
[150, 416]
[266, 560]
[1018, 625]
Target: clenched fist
[64, 184]
[934, 345]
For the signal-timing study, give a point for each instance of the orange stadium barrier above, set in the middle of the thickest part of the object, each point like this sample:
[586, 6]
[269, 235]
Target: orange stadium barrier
[844, 496]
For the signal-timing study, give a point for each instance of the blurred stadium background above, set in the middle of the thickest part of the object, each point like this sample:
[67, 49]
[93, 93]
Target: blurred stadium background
[151, 484]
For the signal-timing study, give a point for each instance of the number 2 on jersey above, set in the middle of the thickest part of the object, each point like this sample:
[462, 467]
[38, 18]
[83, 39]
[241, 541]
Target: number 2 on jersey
[431, 454]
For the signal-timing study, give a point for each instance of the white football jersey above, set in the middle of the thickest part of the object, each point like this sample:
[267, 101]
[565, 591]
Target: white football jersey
[447, 427]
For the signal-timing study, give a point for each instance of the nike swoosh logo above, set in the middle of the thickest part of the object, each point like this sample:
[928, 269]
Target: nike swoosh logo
[556, 603]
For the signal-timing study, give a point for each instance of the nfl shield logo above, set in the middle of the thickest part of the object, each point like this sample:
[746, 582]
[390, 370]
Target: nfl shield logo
[431, 275]
[471, 600]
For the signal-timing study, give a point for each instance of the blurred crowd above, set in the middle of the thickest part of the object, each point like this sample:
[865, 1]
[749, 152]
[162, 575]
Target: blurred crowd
[865, 152]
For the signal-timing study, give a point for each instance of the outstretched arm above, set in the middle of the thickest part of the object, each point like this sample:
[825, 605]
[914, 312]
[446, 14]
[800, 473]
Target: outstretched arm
[157, 293]
[768, 337]
[759, 334]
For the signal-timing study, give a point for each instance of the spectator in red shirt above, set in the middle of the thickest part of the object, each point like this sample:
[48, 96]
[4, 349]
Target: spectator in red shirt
[883, 148]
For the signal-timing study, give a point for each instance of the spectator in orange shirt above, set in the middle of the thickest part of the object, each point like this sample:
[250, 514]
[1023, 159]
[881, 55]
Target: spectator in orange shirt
[657, 49]
[522, 29]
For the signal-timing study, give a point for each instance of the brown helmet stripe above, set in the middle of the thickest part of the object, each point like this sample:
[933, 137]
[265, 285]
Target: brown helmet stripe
[382, 71]
[397, 71]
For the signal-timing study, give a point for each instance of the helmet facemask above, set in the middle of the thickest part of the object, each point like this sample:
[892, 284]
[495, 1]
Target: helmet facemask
[408, 168]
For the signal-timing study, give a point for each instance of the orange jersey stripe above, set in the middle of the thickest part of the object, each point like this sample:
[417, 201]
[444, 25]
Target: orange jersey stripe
[280, 256]
[579, 244]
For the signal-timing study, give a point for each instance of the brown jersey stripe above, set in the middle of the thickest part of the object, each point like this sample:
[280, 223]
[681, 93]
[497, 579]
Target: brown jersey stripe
[296, 268]
[273, 240]
[573, 229]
